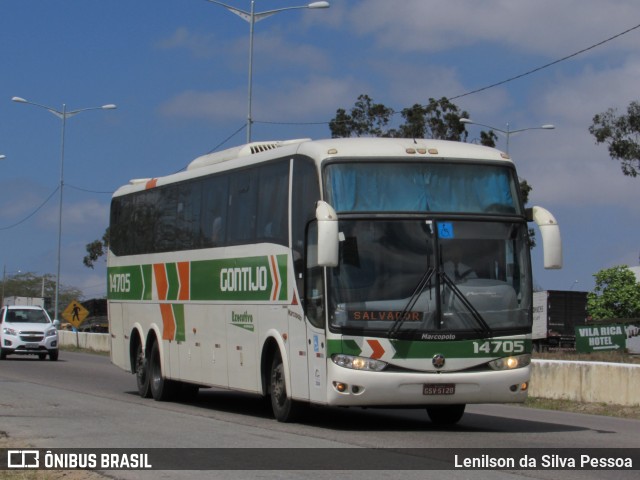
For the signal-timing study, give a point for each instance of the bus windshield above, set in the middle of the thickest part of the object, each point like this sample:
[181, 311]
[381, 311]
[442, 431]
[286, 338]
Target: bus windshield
[421, 187]
[427, 277]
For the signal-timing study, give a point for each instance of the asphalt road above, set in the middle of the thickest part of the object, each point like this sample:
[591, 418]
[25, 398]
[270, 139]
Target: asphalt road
[82, 401]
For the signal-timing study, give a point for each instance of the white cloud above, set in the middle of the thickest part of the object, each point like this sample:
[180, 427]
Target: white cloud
[79, 218]
[566, 165]
[221, 105]
[199, 45]
[292, 100]
[546, 27]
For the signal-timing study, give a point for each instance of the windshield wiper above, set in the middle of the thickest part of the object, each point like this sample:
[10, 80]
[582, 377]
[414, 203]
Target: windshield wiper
[485, 328]
[424, 281]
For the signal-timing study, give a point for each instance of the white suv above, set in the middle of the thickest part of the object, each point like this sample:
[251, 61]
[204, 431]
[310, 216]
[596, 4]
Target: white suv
[27, 330]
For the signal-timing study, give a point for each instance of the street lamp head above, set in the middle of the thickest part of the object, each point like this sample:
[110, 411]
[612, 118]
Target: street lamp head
[465, 120]
[110, 106]
[548, 127]
[19, 100]
[319, 5]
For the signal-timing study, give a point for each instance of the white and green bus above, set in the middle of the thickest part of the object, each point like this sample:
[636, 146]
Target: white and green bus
[344, 272]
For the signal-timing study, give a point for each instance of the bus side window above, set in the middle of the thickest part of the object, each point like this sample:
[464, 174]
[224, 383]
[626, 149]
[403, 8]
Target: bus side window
[243, 207]
[272, 225]
[213, 225]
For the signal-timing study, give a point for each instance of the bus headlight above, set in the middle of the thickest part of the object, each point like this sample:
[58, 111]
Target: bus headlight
[509, 363]
[358, 363]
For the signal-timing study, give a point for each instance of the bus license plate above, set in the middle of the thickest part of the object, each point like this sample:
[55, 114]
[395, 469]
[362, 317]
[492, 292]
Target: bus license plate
[439, 389]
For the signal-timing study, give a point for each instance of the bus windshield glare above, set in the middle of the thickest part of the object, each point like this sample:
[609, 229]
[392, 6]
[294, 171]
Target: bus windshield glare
[421, 187]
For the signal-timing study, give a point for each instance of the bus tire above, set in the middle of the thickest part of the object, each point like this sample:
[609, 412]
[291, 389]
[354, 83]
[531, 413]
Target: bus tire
[161, 388]
[142, 372]
[445, 415]
[285, 409]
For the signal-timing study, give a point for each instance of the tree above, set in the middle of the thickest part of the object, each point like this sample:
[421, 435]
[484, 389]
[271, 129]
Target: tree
[439, 119]
[622, 135]
[366, 119]
[96, 249]
[616, 295]
[29, 284]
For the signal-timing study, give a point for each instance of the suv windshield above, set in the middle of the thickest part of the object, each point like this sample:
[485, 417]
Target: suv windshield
[416, 277]
[25, 315]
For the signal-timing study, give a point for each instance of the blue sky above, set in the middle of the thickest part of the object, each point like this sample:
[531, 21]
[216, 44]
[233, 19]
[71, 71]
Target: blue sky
[177, 70]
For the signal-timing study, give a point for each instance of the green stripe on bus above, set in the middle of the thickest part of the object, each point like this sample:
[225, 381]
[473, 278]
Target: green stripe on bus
[147, 281]
[172, 281]
[178, 314]
[417, 349]
[235, 279]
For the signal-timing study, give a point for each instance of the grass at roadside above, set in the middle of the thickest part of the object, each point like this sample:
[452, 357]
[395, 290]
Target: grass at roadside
[620, 411]
[609, 357]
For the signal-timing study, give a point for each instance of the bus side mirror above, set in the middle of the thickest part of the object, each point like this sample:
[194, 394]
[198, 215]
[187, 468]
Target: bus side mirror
[550, 231]
[327, 235]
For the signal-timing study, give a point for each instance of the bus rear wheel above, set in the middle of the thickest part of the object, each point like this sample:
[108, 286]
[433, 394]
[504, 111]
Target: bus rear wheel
[142, 373]
[445, 415]
[285, 409]
[161, 388]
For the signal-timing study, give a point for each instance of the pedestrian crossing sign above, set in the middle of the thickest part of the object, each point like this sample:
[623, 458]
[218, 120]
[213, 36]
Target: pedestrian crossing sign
[75, 313]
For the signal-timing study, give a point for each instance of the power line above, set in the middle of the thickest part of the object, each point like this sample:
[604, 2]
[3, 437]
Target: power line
[546, 65]
[228, 138]
[502, 82]
[32, 213]
[87, 190]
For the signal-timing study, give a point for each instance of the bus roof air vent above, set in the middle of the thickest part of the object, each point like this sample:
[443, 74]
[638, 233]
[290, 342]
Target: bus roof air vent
[259, 147]
[241, 151]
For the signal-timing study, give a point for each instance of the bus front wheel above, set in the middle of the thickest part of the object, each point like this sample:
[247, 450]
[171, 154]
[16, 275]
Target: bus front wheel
[285, 409]
[445, 415]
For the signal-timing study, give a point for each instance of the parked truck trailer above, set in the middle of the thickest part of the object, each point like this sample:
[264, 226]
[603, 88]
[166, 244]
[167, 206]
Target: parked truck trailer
[556, 313]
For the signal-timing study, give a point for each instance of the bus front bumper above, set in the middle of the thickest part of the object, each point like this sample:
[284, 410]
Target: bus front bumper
[347, 387]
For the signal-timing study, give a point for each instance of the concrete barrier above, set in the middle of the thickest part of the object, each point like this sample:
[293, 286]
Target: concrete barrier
[590, 382]
[100, 342]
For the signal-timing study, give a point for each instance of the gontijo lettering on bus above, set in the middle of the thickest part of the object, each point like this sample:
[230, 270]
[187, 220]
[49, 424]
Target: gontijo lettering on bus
[261, 278]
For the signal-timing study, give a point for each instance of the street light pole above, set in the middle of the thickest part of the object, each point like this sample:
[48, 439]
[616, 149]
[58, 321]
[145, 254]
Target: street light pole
[63, 115]
[507, 133]
[252, 17]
